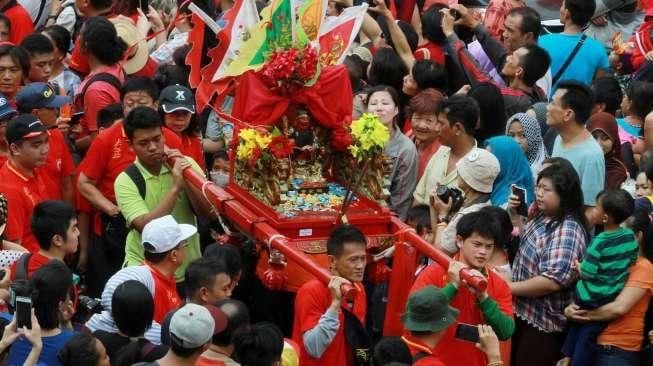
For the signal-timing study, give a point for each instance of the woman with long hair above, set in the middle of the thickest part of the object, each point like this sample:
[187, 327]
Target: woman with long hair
[551, 242]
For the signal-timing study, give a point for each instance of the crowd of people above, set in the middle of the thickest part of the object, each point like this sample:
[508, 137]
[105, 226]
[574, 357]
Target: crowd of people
[521, 152]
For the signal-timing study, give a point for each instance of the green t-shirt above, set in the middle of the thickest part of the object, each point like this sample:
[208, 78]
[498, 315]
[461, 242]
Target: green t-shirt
[133, 206]
[604, 270]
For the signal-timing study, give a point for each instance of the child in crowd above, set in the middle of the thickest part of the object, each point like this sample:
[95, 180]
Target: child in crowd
[603, 272]
[220, 168]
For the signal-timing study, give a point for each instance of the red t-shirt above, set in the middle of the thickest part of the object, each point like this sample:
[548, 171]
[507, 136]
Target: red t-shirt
[312, 301]
[450, 348]
[166, 298]
[36, 261]
[416, 346]
[23, 193]
[21, 23]
[99, 95]
[59, 163]
[430, 51]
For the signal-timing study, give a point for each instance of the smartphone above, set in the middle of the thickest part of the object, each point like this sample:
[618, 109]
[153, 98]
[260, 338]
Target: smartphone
[145, 6]
[467, 332]
[23, 312]
[521, 193]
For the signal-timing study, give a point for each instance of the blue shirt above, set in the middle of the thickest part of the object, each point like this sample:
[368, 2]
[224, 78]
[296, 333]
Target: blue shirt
[590, 58]
[587, 159]
[51, 347]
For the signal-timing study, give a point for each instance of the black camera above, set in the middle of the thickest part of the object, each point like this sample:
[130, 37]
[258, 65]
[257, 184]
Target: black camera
[86, 307]
[444, 193]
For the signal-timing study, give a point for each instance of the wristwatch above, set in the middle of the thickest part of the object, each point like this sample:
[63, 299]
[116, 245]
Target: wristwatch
[443, 219]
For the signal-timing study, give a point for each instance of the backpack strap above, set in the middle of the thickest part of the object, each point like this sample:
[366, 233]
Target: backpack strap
[22, 272]
[102, 76]
[137, 177]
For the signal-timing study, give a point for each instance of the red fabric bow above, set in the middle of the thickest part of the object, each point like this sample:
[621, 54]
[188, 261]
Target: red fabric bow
[329, 101]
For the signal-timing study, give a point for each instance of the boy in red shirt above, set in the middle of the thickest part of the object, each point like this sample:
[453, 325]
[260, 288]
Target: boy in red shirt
[21, 182]
[42, 101]
[476, 236]
[54, 225]
[319, 326]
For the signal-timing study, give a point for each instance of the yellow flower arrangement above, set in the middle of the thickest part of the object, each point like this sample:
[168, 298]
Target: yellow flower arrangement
[251, 145]
[370, 136]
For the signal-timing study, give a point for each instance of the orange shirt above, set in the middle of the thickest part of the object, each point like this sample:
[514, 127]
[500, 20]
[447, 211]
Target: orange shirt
[450, 348]
[311, 302]
[627, 332]
[166, 298]
[23, 193]
[59, 163]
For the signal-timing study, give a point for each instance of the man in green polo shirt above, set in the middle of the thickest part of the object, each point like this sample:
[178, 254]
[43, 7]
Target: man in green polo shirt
[163, 187]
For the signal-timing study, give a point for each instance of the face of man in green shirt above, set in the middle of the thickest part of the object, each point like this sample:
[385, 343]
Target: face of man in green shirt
[148, 146]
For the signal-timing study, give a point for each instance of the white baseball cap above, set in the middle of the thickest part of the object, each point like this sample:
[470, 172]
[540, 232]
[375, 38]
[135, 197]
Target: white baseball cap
[164, 234]
[192, 326]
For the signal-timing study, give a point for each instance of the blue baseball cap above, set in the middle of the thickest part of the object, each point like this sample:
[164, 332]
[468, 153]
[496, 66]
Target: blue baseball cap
[39, 95]
[6, 110]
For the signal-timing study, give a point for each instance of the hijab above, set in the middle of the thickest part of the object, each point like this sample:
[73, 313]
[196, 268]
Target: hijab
[514, 170]
[615, 169]
[540, 114]
[536, 152]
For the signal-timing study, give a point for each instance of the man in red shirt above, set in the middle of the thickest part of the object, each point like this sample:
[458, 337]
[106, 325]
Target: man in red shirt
[164, 241]
[107, 157]
[21, 22]
[54, 224]
[319, 326]
[476, 236]
[42, 101]
[21, 182]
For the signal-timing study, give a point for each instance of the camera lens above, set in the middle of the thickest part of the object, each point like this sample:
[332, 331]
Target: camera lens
[443, 193]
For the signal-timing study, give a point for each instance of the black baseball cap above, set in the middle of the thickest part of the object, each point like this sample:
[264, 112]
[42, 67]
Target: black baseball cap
[24, 126]
[175, 98]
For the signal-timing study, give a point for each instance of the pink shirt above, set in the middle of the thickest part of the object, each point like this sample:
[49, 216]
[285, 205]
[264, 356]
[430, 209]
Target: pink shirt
[99, 95]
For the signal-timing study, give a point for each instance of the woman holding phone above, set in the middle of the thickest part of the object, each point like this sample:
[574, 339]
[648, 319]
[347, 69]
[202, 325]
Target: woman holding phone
[542, 272]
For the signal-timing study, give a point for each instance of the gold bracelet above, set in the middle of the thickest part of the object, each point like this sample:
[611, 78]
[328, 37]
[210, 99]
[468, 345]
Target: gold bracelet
[498, 363]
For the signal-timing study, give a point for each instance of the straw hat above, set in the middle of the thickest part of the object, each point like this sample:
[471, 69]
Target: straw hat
[137, 50]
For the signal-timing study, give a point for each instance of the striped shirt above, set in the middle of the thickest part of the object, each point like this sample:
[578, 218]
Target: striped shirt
[104, 320]
[549, 252]
[604, 270]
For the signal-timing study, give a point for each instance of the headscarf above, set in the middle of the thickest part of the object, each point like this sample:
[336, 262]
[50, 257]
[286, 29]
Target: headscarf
[540, 114]
[514, 170]
[615, 169]
[536, 152]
